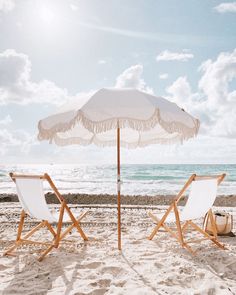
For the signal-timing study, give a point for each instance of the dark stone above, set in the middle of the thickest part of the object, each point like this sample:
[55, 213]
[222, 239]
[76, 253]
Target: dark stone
[87, 199]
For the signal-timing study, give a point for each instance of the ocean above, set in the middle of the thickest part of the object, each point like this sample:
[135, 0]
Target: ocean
[137, 179]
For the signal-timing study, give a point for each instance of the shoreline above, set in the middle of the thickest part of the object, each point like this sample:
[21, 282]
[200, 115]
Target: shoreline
[87, 199]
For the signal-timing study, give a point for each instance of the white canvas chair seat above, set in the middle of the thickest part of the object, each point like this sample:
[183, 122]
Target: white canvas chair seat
[200, 201]
[31, 196]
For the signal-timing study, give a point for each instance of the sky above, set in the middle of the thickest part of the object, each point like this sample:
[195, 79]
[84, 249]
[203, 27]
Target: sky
[53, 51]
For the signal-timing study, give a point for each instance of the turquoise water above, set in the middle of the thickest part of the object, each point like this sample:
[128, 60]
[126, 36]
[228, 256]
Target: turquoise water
[137, 179]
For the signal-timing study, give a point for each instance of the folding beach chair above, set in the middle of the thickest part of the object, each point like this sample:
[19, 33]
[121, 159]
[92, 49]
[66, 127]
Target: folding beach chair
[32, 199]
[201, 198]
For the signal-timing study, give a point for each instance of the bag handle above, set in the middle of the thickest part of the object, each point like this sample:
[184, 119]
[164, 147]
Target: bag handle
[205, 220]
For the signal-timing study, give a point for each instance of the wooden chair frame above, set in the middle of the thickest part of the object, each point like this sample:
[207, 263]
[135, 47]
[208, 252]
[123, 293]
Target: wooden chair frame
[57, 234]
[181, 229]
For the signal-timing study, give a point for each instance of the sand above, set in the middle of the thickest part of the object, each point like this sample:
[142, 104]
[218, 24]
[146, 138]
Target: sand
[143, 267]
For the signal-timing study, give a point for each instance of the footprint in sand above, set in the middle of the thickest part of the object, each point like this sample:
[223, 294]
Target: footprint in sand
[136, 242]
[2, 267]
[94, 292]
[158, 265]
[230, 271]
[120, 283]
[112, 270]
[92, 265]
[101, 283]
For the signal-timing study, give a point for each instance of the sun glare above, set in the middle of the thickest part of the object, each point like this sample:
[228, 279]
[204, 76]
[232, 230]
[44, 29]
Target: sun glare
[47, 16]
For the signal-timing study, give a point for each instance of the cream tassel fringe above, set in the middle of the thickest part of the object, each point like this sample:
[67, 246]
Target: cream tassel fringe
[184, 132]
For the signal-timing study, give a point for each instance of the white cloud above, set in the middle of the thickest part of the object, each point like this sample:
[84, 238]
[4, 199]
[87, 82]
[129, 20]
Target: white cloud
[181, 92]
[213, 103]
[216, 78]
[163, 76]
[7, 139]
[226, 7]
[74, 7]
[167, 55]
[16, 85]
[6, 121]
[19, 25]
[7, 5]
[102, 62]
[220, 101]
[15, 142]
[132, 78]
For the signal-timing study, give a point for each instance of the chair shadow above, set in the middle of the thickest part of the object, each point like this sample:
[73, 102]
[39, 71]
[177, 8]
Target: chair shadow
[44, 273]
[221, 263]
[214, 264]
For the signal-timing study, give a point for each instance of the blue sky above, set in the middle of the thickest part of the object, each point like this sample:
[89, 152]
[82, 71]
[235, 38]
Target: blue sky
[54, 50]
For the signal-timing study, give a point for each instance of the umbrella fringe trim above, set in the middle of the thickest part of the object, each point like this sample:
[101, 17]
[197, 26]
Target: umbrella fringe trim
[138, 125]
[184, 131]
[80, 141]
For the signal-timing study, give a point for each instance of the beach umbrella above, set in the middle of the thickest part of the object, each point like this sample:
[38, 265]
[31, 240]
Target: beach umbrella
[119, 117]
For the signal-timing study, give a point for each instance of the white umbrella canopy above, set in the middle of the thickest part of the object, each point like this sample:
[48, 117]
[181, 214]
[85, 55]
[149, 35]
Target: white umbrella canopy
[126, 117]
[143, 119]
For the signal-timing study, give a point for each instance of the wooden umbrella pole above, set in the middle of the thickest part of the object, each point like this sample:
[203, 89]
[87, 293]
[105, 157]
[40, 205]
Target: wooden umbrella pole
[118, 186]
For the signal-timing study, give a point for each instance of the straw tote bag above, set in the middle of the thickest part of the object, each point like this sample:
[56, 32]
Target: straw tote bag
[223, 221]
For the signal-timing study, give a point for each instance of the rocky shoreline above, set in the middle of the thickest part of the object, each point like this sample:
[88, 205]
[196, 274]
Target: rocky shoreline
[221, 201]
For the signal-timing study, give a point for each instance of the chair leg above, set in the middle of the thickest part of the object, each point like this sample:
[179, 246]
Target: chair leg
[179, 229]
[213, 239]
[57, 235]
[50, 228]
[18, 242]
[185, 226]
[76, 224]
[162, 220]
[46, 252]
[79, 229]
[59, 226]
[72, 225]
[12, 248]
[167, 229]
[189, 248]
[19, 232]
[21, 224]
[156, 228]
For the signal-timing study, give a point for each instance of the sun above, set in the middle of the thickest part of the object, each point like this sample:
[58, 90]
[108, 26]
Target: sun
[47, 15]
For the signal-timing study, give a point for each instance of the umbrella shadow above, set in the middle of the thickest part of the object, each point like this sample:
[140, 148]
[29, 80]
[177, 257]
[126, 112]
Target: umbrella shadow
[144, 280]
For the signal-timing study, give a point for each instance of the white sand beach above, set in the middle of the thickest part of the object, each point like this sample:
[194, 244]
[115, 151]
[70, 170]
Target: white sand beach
[118, 108]
[159, 266]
